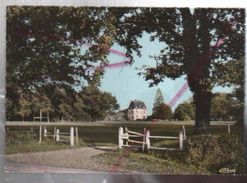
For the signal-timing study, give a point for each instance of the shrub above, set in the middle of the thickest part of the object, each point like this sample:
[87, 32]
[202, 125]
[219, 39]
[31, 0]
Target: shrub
[216, 152]
[20, 138]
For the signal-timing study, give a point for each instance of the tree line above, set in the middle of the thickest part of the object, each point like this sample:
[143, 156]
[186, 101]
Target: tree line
[60, 104]
[225, 107]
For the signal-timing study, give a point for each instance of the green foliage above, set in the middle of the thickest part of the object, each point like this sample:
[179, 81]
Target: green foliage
[229, 69]
[159, 99]
[30, 144]
[224, 107]
[146, 163]
[43, 52]
[24, 109]
[79, 112]
[184, 111]
[187, 36]
[45, 62]
[189, 46]
[21, 138]
[162, 111]
[40, 103]
[98, 104]
[216, 152]
[219, 107]
[44, 45]
[235, 68]
[64, 104]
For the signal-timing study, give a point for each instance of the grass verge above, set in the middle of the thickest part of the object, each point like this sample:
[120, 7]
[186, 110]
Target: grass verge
[145, 163]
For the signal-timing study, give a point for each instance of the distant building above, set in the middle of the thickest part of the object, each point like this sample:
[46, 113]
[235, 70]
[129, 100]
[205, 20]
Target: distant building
[115, 117]
[119, 116]
[137, 110]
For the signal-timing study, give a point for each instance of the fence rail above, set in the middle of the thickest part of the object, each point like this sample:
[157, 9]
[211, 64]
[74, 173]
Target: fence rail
[163, 137]
[85, 123]
[73, 136]
[124, 139]
[56, 134]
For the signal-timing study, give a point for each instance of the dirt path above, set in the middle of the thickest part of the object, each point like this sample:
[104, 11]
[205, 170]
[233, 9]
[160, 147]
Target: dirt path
[81, 158]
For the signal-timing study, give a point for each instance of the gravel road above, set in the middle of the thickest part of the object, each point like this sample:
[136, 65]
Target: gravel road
[80, 158]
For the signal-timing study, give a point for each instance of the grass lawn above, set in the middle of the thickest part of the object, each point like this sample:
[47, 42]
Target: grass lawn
[26, 141]
[108, 134]
[138, 162]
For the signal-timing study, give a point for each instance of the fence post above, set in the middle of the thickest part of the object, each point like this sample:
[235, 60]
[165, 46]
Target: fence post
[120, 140]
[31, 129]
[55, 131]
[229, 128]
[40, 134]
[76, 134]
[144, 139]
[45, 131]
[72, 136]
[48, 117]
[127, 140]
[184, 133]
[57, 135]
[181, 140]
[148, 139]
[40, 115]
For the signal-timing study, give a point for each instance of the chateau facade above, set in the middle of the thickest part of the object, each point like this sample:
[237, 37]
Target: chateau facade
[137, 110]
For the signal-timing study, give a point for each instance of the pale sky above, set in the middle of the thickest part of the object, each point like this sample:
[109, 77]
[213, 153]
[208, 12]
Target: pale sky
[126, 85]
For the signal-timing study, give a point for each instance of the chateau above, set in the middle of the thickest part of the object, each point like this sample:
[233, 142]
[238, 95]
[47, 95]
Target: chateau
[137, 110]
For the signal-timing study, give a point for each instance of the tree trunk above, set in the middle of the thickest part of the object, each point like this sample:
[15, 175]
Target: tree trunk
[202, 113]
[197, 64]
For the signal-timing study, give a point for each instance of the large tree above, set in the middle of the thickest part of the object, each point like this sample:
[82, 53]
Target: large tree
[184, 111]
[53, 50]
[158, 100]
[97, 103]
[53, 47]
[197, 42]
[162, 111]
[221, 103]
[44, 45]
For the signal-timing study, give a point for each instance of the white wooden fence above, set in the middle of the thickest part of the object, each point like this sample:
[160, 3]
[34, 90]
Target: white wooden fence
[124, 139]
[61, 136]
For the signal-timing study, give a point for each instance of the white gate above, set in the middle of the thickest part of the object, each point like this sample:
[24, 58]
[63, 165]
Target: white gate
[125, 141]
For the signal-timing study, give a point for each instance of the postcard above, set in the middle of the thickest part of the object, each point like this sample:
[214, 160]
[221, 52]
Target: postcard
[126, 90]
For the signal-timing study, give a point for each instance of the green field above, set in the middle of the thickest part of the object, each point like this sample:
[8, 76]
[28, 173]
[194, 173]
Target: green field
[107, 134]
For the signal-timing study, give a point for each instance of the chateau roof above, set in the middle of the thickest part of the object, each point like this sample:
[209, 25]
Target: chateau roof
[137, 104]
